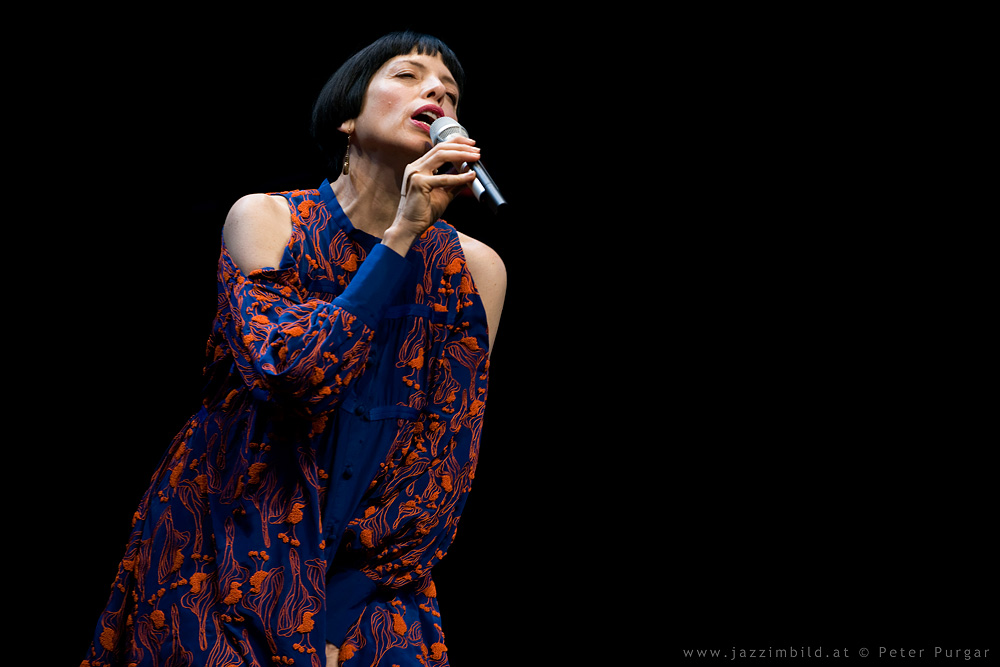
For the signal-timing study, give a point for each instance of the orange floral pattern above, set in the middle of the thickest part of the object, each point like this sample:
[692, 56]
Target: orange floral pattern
[339, 432]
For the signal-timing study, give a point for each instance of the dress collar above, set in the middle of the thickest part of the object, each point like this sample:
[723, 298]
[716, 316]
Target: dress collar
[341, 220]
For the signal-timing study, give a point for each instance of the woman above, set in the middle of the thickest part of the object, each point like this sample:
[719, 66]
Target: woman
[299, 513]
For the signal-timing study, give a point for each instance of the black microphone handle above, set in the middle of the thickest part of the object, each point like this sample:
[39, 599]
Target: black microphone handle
[484, 186]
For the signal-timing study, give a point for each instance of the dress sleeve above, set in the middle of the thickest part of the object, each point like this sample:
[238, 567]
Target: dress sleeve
[305, 352]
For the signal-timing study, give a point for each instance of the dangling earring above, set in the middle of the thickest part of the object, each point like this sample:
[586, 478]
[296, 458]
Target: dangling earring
[347, 156]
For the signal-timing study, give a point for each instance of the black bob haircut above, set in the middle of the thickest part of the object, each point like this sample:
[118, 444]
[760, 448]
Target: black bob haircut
[342, 96]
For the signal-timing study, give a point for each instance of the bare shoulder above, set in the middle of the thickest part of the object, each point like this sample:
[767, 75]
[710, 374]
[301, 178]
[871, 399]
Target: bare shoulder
[484, 263]
[490, 275]
[257, 230]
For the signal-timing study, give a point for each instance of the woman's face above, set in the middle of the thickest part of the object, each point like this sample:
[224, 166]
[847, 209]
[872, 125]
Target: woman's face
[404, 97]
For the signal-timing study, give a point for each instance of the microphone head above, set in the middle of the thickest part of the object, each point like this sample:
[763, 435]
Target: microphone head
[443, 128]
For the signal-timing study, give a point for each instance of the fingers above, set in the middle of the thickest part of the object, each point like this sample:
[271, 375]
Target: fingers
[444, 181]
[451, 157]
[443, 160]
[457, 151]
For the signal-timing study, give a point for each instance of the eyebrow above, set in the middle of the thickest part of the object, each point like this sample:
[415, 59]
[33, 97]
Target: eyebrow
[416, 63]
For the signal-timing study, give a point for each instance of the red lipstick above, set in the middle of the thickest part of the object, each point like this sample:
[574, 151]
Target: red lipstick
[425, 115]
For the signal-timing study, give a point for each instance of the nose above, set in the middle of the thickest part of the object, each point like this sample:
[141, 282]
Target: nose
[435, 90]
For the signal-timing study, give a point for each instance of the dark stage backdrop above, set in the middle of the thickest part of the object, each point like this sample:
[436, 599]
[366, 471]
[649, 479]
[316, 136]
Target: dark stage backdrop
[725, 406]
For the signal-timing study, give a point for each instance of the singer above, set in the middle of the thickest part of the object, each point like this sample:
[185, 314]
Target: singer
[298, 515]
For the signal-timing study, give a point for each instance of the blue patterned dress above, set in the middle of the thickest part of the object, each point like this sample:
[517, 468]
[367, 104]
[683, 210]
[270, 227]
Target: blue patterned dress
[310, 497]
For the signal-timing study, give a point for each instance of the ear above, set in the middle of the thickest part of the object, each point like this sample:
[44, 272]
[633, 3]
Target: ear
[347, 127]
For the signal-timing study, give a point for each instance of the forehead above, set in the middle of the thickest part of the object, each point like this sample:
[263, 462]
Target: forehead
[426, 63]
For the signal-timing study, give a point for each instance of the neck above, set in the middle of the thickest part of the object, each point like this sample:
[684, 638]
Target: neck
[369, 195]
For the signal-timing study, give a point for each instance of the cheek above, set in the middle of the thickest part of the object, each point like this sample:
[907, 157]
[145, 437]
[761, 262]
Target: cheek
[381, 101]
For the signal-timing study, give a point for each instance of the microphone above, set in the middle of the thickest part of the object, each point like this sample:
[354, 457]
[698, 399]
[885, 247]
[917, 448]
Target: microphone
[483, 187]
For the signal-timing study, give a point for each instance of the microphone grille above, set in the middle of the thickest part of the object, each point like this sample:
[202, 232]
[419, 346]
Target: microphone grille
[444, 127]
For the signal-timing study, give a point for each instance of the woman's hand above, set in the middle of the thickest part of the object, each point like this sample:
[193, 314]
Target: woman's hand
[426, 193]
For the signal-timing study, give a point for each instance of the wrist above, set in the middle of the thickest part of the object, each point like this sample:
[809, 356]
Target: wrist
[398, 240]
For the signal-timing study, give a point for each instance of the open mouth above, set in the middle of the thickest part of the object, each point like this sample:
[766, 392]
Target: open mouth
[426, 115]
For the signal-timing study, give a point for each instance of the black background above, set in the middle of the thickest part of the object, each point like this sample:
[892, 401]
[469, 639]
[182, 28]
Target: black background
[728, 403]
